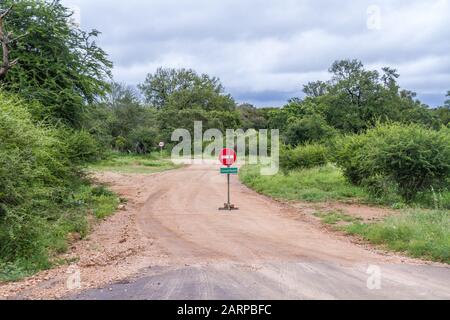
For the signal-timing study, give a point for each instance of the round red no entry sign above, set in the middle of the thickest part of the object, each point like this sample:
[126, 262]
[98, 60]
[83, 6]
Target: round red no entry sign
[228, 157]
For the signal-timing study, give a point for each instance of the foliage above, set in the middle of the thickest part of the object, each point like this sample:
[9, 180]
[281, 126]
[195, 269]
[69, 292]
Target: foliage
[42, 194]
[411, 157]
[252, 118]
[183, 88]
[123, 163]
[303, 157]
[177, 99]
[59, 66]
[311, 128]
[353, 100]
[419, 233]
[122, 123]
[314, 185]
[80, 146]
[443, 113]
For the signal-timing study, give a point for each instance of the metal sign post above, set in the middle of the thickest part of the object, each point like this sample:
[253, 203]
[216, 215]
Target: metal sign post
[161, 146]
[228, 157]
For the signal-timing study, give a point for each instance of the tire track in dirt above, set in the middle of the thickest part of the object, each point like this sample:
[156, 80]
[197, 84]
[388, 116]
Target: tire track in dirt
[264, 250]
[184, 248]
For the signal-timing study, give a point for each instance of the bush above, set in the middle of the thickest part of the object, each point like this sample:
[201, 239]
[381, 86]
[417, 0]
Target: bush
[311, 128]
[143, 140]
[81, 146]
[303, 157]
[29, 155]
[32, 173]
[40, 187]
[408, 158]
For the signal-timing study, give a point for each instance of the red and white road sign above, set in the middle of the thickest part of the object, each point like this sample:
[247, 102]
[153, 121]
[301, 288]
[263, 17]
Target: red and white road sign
[228, 157]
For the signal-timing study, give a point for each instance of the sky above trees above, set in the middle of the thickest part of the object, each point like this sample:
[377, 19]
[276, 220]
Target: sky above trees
[264, 51]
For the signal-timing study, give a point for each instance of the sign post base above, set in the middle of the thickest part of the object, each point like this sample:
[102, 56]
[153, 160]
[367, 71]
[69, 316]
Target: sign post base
[228, 207]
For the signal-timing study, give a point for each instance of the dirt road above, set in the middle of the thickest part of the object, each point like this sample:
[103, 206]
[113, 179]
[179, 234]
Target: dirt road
[266, 250]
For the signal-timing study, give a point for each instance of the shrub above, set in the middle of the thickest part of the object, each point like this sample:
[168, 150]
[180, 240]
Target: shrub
[120, 144]
[31, 170]
[40, 199]
[303, 157]
[409, 158]
[81, 146]
[311, 128]
[143, 140]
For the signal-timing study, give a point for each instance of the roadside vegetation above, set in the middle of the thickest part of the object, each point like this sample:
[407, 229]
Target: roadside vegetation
[404, 166]
[129, 163]
[343, 144]
[420, 233]
[317, 184]
[417, 232]
[358, 137]
[44, 195]
[334, 217]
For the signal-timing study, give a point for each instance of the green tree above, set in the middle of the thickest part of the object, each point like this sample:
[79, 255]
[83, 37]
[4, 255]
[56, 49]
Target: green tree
[443, 113]
[311, 128]
[182, 97]
[315, 89]
[277, 119]
[121, 122]
[355, 99]
[252, 118]
[120, 94]
[59, 64]
[184, 88]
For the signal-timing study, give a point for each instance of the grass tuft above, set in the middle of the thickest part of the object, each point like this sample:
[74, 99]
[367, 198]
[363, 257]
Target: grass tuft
[122, 163]
[417, 232]
[312, 185]
[334, 218]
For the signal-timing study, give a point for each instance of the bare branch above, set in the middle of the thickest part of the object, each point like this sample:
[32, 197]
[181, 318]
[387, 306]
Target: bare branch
[14, 62]
[19, 37]
[6, 12]
[5, 40]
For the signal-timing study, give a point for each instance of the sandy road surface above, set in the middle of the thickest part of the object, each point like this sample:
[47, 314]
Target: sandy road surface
[265, 250]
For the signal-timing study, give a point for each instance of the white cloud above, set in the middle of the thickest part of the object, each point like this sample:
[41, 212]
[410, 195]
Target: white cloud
[265, 50]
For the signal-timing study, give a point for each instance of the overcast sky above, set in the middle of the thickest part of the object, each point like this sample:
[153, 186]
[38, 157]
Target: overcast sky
[264, 51]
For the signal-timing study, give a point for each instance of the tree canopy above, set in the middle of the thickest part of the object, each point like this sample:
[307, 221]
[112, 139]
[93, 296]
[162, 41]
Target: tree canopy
[59, 64]
[184, 89]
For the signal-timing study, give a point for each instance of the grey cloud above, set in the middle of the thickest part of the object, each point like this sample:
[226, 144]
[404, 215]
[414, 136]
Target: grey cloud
[263, 50]
[265, 98]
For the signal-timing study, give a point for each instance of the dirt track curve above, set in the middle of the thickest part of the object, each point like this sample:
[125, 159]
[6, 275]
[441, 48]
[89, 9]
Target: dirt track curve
[265, 250]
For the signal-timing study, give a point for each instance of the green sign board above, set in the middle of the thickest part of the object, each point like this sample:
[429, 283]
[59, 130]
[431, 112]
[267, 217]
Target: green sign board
[229, 170]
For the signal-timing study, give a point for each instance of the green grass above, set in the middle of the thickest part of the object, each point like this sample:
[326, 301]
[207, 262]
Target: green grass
[327, 183]
[101, 201]
[123, 163]
[417, 232]
[53, 230]
[312, 185]
[333, 218]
